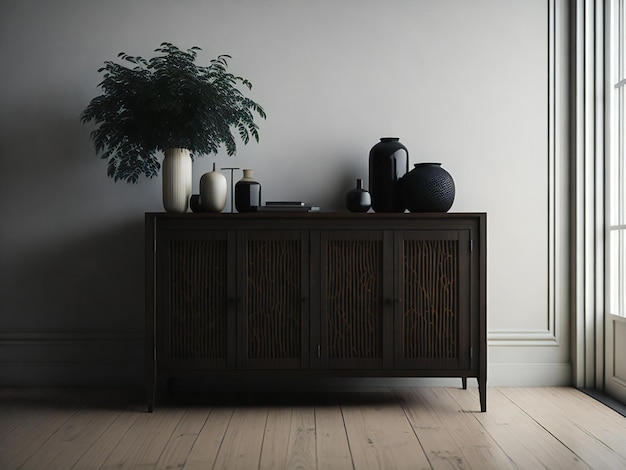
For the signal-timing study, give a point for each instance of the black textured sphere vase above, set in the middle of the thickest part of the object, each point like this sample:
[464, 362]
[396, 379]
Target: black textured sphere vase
[428, 188]
[358, 199]
[247, 193]
[388, 162]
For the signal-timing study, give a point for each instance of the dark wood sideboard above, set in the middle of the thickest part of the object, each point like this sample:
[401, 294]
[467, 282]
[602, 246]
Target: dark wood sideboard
[315, 294]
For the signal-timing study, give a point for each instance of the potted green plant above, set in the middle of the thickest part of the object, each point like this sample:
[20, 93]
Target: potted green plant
[172, 105]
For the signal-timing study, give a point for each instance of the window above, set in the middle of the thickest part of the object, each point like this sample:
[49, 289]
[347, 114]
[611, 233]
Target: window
[616, 167]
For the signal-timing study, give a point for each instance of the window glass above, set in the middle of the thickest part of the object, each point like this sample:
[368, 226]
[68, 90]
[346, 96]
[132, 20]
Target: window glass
[616, 180]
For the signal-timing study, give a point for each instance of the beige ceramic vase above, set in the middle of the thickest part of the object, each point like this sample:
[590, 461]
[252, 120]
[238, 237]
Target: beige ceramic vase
[176, 175]
[213, 191]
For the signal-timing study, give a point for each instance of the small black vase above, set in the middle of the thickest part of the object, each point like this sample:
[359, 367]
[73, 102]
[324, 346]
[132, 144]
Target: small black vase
[195, 203]
[428, 188]
[247, 193]
[358, 199]
[388, 162]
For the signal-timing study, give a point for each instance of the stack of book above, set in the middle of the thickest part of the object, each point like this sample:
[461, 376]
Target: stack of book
[288, 206]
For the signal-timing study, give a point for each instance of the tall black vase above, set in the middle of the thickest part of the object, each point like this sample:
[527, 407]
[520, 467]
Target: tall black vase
[388, 162]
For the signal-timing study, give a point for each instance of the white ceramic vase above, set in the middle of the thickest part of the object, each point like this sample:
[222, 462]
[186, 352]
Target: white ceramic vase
[213, 191]
[176, 175]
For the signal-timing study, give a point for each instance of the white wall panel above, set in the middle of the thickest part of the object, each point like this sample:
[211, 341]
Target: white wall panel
[464, 83]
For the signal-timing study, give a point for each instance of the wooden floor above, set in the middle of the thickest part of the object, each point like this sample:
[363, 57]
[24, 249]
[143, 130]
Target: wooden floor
[404, 428]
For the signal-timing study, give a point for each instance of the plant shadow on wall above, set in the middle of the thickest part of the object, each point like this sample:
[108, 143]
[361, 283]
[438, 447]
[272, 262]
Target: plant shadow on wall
[172, 105]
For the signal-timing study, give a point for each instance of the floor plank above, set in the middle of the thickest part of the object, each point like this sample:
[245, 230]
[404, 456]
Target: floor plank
[289, 439]
[68, 444]
[12, 410]
[207, 445]
[576, 427]
[143, 443]
[18, 404]
[242, 443]
[380, 437]
[276, 438]
[523, 440]
[183, 438]
[478, 449]
[433, 434]
[594, 418]
[301, 450]
[97, 454]
[29, 436]
[333, 449]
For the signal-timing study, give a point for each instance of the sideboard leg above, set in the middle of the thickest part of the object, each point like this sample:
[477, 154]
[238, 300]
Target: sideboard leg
[464, 383]
[482, 390]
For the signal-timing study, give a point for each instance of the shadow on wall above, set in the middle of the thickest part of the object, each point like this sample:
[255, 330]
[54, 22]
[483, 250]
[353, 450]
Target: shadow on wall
[90, 283]
[74, 314]
[72, 248]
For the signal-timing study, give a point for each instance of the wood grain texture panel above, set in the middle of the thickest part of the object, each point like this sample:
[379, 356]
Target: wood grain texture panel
[274, 299]
[431, 315]
[354, 299]
[198, 299]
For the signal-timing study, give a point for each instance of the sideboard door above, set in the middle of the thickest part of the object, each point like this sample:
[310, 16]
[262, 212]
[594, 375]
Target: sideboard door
[432, 315]
[273, 299]
[356, 304]
[194, 292]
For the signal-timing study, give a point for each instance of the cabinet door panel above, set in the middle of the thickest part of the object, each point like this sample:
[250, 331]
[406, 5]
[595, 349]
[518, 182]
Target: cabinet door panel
[273, 285]
[354, 300]
[432, 316]
[194, 297]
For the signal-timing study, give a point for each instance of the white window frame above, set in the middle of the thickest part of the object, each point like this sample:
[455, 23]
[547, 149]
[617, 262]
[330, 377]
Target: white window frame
[616, 164]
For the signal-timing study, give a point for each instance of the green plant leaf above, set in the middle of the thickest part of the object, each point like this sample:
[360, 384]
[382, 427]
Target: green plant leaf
[167, 101]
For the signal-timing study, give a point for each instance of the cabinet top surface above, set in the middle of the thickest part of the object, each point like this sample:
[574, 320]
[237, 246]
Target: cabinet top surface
[316, 215]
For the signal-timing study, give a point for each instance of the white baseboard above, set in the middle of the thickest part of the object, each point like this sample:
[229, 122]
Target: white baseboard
[529, 375]
[88, 358]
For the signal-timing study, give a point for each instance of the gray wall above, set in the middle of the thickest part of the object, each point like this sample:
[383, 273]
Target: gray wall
[461, 82]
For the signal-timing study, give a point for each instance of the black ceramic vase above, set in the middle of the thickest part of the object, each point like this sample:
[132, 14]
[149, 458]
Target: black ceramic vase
[358, 199]
[247, 193]
[388, 162]
[195, 203]
[428, 188]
